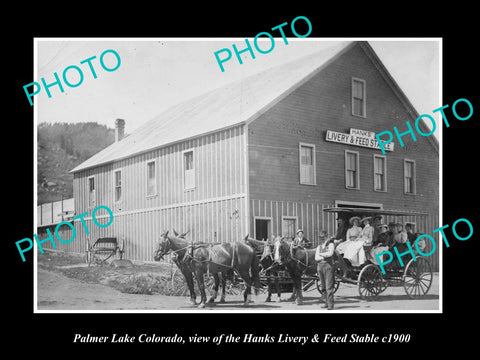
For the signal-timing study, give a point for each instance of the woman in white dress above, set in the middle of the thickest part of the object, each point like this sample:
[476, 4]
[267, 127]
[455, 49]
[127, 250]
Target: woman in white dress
[354, 252]
[352, 234]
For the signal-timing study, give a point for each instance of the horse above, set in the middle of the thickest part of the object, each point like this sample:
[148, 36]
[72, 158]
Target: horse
[264, 249]
[297, 261]
[181, 259]
[200, 258]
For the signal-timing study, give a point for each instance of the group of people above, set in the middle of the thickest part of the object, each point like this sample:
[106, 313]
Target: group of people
[352, 240]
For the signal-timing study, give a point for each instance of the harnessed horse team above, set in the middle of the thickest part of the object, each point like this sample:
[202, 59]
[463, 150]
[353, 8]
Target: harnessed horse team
[245, 258]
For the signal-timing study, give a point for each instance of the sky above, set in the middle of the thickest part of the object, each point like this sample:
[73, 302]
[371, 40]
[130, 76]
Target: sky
[155, 74]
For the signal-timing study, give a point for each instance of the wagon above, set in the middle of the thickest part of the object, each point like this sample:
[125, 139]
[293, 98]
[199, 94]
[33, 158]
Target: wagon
[275, 279]
[103, 249]
[415, 277]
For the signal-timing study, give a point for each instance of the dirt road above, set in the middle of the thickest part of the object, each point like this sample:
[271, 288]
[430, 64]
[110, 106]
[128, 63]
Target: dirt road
[58, 292]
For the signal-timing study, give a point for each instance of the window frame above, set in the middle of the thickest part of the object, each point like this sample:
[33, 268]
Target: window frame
[154, 161]
[414, 177]
[314, 163]
[287, 217]
[384, 173]
[357, 163]
[364, 99]
[115, 186]
[184, 170]
[94, 191]
[267, 218]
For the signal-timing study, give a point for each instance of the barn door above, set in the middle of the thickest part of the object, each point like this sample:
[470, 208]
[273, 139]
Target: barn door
[262, 229]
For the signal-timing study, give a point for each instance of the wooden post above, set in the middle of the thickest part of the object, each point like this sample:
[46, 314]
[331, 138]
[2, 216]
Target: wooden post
[61, 199]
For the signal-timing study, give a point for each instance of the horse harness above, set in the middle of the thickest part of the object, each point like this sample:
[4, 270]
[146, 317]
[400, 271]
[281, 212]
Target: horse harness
[189, 255]
[298, 261]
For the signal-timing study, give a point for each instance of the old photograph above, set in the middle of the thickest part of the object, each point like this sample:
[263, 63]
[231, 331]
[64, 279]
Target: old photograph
[238, 175]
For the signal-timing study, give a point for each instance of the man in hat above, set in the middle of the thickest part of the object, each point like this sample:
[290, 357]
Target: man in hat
[301, 240]
[388, 238]
[410, 234]
[324, 256]
[383, 238]
[377, 220]
[341, 233]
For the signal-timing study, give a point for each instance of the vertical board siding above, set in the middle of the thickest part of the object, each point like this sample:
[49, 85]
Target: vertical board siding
[312, 219]
[213, 211]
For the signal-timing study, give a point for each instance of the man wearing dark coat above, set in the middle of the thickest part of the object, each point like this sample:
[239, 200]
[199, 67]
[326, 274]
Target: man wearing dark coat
[301, 240]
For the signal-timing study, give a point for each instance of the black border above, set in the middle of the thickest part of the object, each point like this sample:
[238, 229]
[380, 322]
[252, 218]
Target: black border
[429, 332]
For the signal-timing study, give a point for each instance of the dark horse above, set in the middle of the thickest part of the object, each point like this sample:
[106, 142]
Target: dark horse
[268, 266]
[183, 262]
[201, 258]
[297, 261]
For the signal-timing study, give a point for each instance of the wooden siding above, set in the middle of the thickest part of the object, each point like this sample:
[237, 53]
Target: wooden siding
[311, 218]
[324, 103]
[215, 210]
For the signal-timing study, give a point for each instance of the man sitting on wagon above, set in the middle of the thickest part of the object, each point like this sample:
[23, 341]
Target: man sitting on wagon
[410, 234]
[376, 222]
[300, 240]
[341, 233]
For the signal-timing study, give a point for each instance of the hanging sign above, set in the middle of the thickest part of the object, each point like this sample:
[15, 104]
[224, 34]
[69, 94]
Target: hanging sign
[357, 137]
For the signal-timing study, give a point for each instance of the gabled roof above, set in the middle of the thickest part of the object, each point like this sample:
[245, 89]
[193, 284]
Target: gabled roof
[236, 103]
[239, 102]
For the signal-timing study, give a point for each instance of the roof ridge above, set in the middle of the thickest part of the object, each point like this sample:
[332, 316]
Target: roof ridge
[222, 107]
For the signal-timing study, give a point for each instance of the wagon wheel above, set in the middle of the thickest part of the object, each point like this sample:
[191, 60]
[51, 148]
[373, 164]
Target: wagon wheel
[209, 282]
[318, 284]
[339, 272]
[417, 278]
[177, 282]
[101, 256]
[235, 288]
[370, 282]
[307, 284]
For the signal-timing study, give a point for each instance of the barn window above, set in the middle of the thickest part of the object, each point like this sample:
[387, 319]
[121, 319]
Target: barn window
[358, 97]
[379, 173]
[117, 180]
[409, 177]
[307, 164]
[289, 225]
[151, 178]
[188, 170]
[91, 191]
[352, 180]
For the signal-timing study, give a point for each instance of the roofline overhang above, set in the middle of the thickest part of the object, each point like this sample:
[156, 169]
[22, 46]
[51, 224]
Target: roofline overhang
[75, 170]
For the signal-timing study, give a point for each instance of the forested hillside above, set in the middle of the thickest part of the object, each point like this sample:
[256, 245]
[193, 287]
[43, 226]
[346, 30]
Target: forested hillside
[61, 147]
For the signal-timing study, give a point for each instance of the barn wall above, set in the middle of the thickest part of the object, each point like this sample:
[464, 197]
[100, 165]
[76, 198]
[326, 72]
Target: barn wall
[312, 218]
[215, 211]
[323, 103]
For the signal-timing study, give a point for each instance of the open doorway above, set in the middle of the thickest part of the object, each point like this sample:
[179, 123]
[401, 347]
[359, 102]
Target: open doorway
[262, 228]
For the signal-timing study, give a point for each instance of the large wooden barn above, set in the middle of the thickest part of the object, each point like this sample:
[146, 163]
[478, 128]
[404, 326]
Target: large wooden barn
[264, 156]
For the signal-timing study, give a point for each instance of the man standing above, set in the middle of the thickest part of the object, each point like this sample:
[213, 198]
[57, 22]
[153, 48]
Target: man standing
[324, 256]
